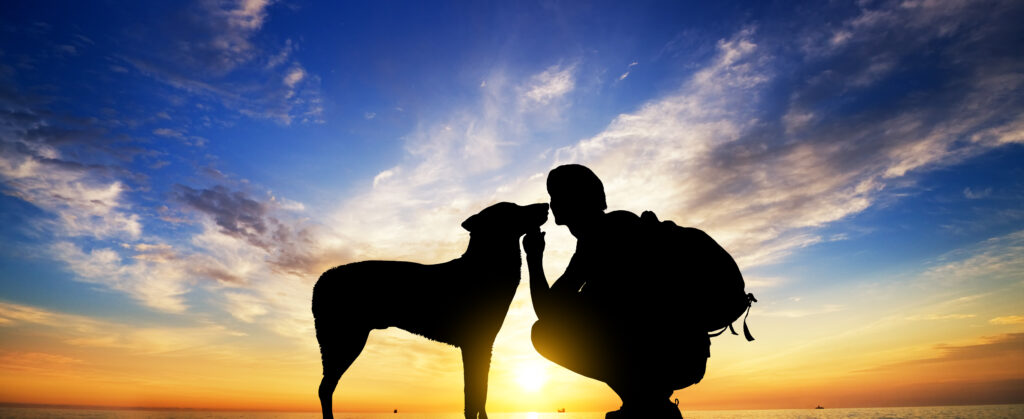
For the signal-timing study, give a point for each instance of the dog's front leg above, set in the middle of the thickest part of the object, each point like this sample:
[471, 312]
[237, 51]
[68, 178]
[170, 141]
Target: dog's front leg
[476, 363]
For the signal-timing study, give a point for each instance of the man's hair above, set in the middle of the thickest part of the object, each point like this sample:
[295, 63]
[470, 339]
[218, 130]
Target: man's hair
[578, 183]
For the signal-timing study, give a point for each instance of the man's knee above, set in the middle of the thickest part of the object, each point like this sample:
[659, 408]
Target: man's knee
[541, 340]
[552, 342]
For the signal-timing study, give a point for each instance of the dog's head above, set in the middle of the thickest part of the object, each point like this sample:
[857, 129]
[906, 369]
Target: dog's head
[507, 218]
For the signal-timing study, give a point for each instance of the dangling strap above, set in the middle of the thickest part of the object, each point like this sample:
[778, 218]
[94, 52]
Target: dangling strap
[746, 331]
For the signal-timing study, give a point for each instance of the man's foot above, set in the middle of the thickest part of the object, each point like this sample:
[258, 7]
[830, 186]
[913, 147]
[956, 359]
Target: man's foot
[622, 413]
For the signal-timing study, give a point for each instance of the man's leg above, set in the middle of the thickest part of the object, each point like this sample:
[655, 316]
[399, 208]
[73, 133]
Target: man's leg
[581, 349]
[574, 348]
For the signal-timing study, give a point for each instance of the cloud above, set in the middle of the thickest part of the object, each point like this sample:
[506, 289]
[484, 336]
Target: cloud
[287, 243]
[942, 317]
[1000, 347]
[98, 236]
[235, 213]
[97, 232]
[219, 36]
[210, 52]
[85, 199]
[154, 278]
[167, 132]
[282, 56]
[294, 76]
[36, 362]
[970, 194]
[245, 307]
[67, 49]
[628, 69]
[191, 140]
[801, 312]
[551, 84]
[996, 260]
[1005, 320]
[709, 155]
[83, 331]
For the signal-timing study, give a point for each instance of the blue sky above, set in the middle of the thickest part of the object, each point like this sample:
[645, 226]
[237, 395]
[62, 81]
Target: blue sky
[197, 164]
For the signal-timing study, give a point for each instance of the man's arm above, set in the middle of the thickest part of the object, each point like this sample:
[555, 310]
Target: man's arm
[546, 299]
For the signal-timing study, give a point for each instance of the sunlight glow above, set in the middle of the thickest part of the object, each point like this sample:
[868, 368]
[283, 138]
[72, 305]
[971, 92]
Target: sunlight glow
[531, 376]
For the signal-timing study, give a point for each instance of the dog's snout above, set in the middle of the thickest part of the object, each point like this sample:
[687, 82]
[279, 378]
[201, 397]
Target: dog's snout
[539, 209]
[539, 213]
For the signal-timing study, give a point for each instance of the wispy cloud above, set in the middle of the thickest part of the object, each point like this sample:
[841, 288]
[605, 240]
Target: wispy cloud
[549, 85]
[706, 155]
[794, 313]
[996, 260]
[972, 194]
[628, 69]
[1005, 320]
[155, 279]
[991, 348]
[85, 199]
[83, 331]
[210, 53]
[953, 316]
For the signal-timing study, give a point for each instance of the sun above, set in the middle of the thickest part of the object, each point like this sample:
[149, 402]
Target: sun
[531, 376]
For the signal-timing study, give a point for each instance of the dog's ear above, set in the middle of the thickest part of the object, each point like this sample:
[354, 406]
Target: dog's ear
[471, 222]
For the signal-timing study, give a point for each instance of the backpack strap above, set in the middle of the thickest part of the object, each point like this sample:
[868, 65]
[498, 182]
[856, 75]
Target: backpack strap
[746, 331]
[711, 335]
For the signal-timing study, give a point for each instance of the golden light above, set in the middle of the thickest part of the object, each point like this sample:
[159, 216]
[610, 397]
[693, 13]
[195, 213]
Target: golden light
[531, 376]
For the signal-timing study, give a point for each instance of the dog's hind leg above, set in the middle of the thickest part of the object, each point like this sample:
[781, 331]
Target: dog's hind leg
[338, 350]
[476, 363]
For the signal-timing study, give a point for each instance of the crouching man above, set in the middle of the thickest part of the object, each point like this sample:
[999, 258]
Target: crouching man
[605, 318]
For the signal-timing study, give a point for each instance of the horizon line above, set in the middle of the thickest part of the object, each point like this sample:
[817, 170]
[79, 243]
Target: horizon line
[208, 409]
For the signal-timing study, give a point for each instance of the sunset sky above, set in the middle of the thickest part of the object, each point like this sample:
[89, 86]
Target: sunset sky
[176, 175]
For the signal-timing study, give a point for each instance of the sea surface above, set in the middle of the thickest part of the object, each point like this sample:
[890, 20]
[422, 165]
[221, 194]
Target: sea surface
[1014, 411]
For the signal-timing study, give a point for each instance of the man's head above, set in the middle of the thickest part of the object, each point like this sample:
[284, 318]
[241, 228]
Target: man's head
[576, 193]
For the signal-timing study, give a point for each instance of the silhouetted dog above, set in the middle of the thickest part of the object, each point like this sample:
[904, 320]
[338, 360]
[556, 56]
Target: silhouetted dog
[462, 302]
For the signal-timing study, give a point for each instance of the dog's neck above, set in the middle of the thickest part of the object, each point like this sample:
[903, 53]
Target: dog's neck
[499, 251]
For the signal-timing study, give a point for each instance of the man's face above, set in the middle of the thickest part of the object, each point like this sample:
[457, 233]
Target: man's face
[563, 207]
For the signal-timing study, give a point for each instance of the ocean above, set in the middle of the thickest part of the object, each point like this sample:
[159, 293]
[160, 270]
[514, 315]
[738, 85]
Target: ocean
[1014, 411]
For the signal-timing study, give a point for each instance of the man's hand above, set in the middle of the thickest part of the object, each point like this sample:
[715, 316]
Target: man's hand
[533, 245]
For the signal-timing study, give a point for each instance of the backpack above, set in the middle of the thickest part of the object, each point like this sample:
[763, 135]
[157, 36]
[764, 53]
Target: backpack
[711, 288]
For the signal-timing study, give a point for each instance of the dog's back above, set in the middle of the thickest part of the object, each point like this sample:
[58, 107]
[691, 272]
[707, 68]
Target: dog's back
[361, 289]
[433, 301]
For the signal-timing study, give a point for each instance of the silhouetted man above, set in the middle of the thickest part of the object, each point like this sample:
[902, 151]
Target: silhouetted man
[607, 317]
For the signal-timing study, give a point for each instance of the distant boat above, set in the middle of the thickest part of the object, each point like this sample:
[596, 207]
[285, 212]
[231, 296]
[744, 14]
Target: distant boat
[819, 407]
[562, 410]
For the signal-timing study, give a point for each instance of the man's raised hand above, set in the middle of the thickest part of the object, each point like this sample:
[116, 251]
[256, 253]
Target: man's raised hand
[533, 245]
